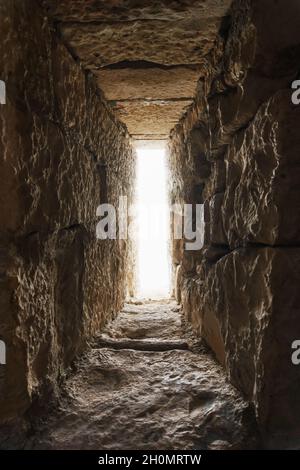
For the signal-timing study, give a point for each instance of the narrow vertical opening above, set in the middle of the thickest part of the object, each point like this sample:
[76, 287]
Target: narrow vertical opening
[153, 227]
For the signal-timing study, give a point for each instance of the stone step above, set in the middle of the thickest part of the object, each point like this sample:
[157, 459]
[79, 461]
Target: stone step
[139, 345]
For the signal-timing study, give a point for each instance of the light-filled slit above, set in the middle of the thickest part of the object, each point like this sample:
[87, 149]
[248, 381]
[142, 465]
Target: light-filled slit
[153, 257]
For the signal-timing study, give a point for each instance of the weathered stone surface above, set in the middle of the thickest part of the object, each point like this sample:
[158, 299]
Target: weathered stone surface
[249, 316]
[142, 82]
[58, 283]
[277, 55]
[142, 40]
[234, 109]
[172, 399]
[178, 280]
[196, 145]
[257, 62]
[156, 117]
[130, 10]
[262, 193]
[219, 176]
[150, 46]
[235, 149]
[255, 44]
[244, 301]
[217, 233]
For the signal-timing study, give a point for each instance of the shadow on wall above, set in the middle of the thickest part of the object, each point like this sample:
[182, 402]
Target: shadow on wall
[241, 290]
[59, 284]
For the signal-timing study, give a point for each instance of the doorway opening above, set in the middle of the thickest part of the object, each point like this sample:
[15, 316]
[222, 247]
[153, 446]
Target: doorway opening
[153, 227]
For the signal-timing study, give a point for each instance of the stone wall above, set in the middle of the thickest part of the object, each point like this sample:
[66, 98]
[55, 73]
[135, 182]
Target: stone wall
[237, 151]
[62, 153]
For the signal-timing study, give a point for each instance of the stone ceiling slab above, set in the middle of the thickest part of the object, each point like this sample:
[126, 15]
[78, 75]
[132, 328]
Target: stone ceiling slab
[147, 55]
[150, 138]
[154, 118]
[131, 10]
[166, 43]
[149, 83]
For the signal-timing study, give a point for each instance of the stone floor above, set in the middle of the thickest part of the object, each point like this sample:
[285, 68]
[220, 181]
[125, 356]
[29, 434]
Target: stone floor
[147, 383]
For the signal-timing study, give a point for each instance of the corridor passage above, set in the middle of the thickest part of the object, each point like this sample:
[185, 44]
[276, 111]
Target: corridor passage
[191, 107]
[147, 383]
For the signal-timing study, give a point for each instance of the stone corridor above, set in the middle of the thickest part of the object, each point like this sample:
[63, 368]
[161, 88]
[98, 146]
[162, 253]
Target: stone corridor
[147, 383]
[85, 84]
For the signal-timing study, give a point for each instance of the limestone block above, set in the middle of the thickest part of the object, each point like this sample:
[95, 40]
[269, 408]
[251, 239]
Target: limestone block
[217, 234]
[261, 202]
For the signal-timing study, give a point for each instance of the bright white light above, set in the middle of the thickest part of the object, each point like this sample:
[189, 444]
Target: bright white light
[153, 263]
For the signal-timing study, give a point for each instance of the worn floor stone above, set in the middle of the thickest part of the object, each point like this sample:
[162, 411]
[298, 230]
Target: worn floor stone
[132, 399]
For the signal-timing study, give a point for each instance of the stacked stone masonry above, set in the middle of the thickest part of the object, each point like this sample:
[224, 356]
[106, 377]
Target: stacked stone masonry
[58, 284]
[241, 142]
[222, 82]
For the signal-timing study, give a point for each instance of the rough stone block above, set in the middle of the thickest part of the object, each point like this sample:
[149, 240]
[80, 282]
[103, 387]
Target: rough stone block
[246, 306]
[217, 234]
[262, 197]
